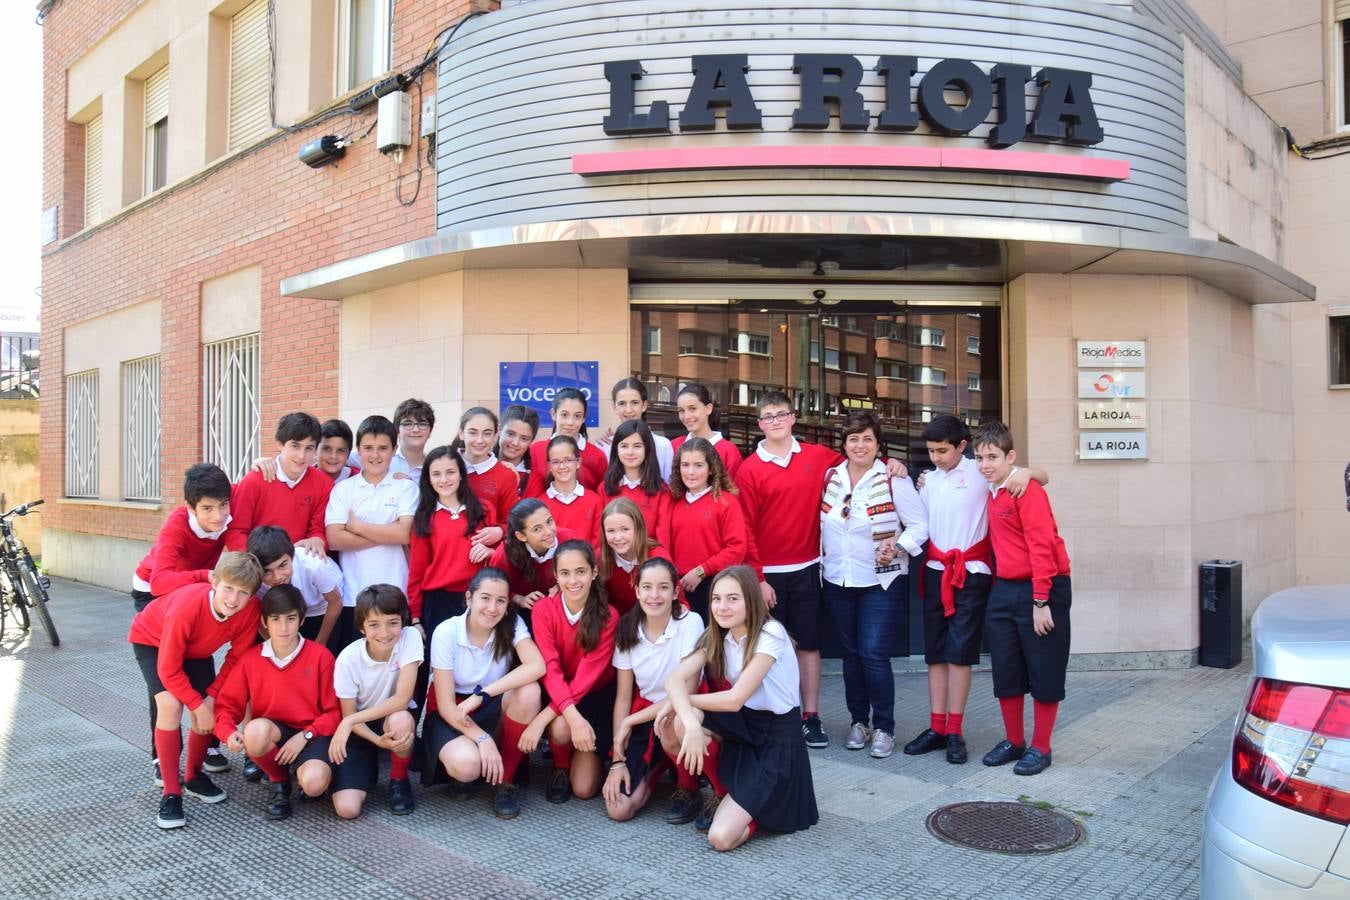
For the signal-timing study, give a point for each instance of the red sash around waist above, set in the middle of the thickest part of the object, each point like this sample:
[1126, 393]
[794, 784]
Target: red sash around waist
[954, 569]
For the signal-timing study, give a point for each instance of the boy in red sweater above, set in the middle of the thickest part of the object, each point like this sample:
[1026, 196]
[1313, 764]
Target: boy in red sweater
[1027, 623]
[295, 500]
[289, 683]
[173, 640]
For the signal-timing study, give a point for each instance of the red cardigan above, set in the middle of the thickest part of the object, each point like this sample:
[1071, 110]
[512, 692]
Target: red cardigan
[571, 673]
[300, 696]
[179, 557]
[441, 560]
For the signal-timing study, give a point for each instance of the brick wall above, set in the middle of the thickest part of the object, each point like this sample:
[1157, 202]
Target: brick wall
[262, 208]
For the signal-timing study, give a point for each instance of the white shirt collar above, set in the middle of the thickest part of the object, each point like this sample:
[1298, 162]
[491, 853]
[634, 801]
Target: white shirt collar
[691, 496]
[669, 634]
[211, 605]
[388, 477]
[481, 468]
[571, 619]
[454, 513]
[627, 565]
[201, 532]
[372, 662]
[281, 475]
[283, 662]
[576, 493]
[624, 481]
[995, 488]
[714, 439]
[547, 556]
[778, 460]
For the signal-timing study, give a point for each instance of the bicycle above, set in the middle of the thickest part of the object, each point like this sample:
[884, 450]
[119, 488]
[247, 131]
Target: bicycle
[22, 587]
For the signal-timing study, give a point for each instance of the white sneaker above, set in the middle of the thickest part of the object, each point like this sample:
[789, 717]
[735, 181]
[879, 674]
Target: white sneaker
[883, 745]
[858, 736]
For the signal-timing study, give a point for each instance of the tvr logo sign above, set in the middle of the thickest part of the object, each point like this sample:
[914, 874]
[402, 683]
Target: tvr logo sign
[1099, 385]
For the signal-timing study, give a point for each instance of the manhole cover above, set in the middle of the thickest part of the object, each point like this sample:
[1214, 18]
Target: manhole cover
[1005, 827]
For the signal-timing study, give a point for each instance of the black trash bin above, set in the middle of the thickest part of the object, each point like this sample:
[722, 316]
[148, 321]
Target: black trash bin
[1221, 613]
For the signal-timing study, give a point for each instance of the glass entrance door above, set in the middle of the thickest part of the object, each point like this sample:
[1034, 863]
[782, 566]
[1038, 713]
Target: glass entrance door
[905, 363]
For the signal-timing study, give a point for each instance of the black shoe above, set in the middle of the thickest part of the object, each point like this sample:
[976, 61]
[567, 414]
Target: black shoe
[203, 788]
[705, 815]
[170, 812]
[927, 742]
[1003, 753]
[1033, 762]
[278, 799]
[215, 761]
[814, 732]
[157, 777]
[522, 778]
[505, 805]
[956, 750]
[251, 771]
[401, 800]
[559, 787]
[684, 806]
[463, 790]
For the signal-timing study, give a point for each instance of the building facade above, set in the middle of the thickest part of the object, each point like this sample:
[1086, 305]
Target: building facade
[1083, 217]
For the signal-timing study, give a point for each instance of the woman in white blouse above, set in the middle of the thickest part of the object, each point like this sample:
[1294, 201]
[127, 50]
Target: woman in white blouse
[869, 527]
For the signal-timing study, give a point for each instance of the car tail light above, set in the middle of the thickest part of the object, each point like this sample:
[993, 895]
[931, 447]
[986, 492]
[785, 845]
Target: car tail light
[1293, 748]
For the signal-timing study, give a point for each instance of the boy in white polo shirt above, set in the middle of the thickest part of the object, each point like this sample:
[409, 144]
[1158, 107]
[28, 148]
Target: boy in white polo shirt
[317, 577]
[374, 679]
[369, 518]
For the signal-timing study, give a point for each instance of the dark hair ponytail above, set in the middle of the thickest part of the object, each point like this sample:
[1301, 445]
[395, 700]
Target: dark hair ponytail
[505, 630]
[517, 553]
[596, 612]
[458, 443]
[705, 397]
[651, 467]
[570, 393]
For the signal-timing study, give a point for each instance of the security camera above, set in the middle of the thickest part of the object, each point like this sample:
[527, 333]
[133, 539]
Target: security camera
[818, 293]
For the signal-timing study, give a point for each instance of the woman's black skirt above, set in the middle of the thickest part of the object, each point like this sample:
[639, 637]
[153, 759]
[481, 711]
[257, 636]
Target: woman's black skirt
[436, 733]
[764, 765]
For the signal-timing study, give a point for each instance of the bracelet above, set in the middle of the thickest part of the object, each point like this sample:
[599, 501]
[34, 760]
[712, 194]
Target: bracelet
[482, 737]
[621, 764]
[1040, 604]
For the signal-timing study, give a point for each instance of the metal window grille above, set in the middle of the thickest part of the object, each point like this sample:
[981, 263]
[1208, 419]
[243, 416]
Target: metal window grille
[232, 387]
[82, 434]
[140, 435]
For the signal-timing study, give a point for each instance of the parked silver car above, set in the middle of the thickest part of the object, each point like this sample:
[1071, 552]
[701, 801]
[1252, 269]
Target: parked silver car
[1276, 823]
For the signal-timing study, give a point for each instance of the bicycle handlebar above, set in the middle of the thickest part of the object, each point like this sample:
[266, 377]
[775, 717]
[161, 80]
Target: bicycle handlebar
[21, 510]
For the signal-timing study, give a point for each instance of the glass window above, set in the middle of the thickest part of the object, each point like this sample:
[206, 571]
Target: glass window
[1345, 71]
[932, 375]
[930, 337]
[653, 342]
[815, 351]
[889, 331]
[852, 363]
[1339, 361]
[972, 381]
[363, 41]
[850, 323]
[972, 345]
[831, 358]
[744, 342]
[156, 130]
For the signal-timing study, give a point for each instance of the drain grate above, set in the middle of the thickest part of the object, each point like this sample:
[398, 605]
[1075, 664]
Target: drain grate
[1003, 827]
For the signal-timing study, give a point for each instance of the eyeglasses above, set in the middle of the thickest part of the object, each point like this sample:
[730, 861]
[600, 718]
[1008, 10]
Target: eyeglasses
[846, 507]
[775, 418]
[569, 461]
[414, 424]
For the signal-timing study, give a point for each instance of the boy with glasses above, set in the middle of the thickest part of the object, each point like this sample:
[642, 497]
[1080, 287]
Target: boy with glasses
[415, 419]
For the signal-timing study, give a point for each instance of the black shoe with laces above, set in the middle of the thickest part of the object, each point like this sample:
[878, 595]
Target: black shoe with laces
[684, 806]
[1003, 753]
[201, 787]
[814, 732]
[505, 805]
[170, 812]
[252, 772]
[215, 761]
[956, 750]
[926, 742]
[559, 787]
[278, 799]
[705, 816]
[401, 800]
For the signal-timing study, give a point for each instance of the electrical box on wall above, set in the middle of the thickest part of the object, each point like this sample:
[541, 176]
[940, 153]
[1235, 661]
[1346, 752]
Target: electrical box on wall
[394, 128]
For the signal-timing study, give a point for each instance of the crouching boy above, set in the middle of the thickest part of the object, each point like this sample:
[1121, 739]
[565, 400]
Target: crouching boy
[289, 682]
[1027, 623]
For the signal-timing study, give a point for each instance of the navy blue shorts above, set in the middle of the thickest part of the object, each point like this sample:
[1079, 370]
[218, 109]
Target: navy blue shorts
[1025, 662]
[800, 607]
[954, 639]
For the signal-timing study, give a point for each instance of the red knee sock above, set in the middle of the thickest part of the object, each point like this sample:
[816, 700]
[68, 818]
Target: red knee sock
[1043, 723]
[954, 722]
[398, 767]
[168, 749]
[196, 753]
[562, 753]
[685, 779]
[509, 746]
[751, 829]
[271, 768]
[710, 768]
[1012, 708]
[938, 722]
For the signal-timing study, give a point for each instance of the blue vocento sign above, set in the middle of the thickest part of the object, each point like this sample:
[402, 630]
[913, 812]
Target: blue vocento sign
[533, 384]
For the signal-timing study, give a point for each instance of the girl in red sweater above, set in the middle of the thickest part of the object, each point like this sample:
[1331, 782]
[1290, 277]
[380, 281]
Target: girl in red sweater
[287, 682]
[494, 484]
[635, 474]
[526, 554]
[707, 526]
[520, 424]
[442, 552]
[573, 506]
[569, 418]
[698, 413]
[575, 633]
[627, 546]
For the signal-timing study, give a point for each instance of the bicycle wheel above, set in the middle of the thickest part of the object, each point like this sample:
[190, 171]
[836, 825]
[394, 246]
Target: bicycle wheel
[13, 599]
[37, 598]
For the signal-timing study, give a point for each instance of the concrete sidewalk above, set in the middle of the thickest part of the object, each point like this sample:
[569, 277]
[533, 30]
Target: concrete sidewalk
[1134, 754]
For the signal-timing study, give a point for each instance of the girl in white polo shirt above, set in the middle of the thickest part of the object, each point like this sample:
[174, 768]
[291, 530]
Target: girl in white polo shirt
[649, 643]
[374, 679]
[749, 728]
[477, 678]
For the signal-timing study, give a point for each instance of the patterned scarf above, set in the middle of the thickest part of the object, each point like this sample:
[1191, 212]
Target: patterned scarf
[875, 487]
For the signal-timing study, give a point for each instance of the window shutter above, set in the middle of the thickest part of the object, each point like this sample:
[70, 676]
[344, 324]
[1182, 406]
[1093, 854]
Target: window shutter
[157, 97]
[1342, 10]
[250, 76]
[93, 171]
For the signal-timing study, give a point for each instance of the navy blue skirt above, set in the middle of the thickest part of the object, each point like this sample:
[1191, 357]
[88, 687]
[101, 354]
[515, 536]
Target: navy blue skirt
[764, 765]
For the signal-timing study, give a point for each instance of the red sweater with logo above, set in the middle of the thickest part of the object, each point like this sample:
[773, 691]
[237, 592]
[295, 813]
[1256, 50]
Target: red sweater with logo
[183, 626]
[782, 506]
[710, 532]
[581, 517]
[179, 557]
[300, 696]
[1026, 541]
[591, 473]
[656, 511]
[497, 489]
[298, 510]
[540, 575]
[730, 453]
[440, 561]
[571, 673]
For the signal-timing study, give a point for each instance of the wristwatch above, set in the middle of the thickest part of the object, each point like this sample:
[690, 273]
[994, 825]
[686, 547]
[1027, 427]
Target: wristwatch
[1040, 604]
[309, 735]
[479, 692]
